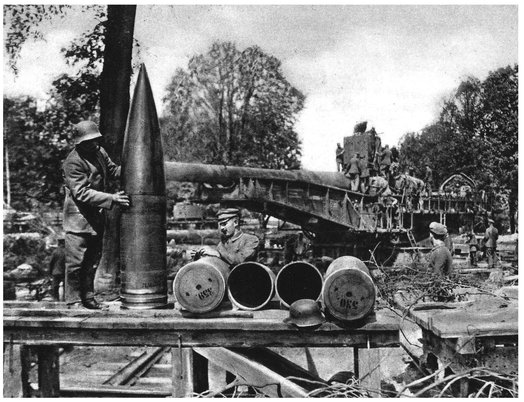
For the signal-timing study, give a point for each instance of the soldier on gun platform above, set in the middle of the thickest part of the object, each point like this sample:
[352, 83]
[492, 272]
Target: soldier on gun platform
[353, 172]
[340, 158]
[235, 246]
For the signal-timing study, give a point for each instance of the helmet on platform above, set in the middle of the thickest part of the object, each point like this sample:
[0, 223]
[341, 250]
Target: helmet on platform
[86, 130]
[305, 313]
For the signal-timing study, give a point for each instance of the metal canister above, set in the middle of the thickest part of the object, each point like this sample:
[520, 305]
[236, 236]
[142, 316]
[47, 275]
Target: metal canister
[250, 286]
[298, 280]
[348, 293]
[143, 224]
[200, 286]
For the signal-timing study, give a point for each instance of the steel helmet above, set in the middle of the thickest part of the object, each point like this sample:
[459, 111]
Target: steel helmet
[305, 313]
[86, 130]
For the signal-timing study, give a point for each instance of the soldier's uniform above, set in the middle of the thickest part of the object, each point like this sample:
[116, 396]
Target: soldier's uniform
[364, 174]
[240, 246]
[353, 173]
[490, 241]
[385, 162]
[440, 260]
[339, 158]
[86, 182]
[428, 179]
[57, 269]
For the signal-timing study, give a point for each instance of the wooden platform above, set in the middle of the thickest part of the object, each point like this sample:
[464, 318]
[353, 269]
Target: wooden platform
[47, 325]
[480, 333]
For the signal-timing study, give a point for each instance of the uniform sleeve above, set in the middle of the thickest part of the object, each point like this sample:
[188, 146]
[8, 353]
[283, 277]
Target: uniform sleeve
[113, 169]
[247, 251]
[77, 180]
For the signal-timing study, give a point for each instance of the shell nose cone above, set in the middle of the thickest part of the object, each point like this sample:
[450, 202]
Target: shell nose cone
[142, 154]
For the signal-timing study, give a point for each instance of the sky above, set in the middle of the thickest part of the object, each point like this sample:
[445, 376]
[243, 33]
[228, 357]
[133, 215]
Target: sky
[391, 65]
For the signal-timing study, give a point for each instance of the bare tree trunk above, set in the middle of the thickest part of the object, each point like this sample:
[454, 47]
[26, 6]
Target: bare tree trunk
[114, 106]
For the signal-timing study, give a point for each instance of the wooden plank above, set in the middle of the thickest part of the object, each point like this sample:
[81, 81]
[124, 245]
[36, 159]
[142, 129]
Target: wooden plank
[384, 320]
[493, 322]
[236, 338]
[369, 370]
[48, 371]
[253, 373]
[12, 370]
[182, 375]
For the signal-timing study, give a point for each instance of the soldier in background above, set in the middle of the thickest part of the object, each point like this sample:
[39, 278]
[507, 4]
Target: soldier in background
[340, 158]
[385, 162]
[440, 261]
[353, 172]
[473, 248]
[57, 268]
[235, 246]
[364, 174]
[490, 242]
[428, 180]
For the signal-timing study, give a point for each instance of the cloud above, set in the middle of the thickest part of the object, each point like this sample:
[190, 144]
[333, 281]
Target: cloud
[40, 62]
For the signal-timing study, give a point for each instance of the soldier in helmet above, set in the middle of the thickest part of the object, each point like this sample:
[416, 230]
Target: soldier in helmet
[86, 171]
[235, 246]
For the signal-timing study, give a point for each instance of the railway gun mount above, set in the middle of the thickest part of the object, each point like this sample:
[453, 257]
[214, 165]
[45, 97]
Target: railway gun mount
[324, 207]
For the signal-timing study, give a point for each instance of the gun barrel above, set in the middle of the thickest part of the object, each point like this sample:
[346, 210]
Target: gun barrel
[225, 175]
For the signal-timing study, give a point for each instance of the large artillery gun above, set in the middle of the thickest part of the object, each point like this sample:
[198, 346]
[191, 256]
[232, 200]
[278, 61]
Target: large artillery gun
[339, 221]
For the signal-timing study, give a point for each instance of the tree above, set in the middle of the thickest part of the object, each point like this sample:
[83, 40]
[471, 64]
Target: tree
[233, 107]
[117, 31]
[476, 133]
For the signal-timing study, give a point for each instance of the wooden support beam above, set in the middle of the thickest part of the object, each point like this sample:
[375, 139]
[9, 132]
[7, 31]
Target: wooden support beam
[25, 360]
[369, 370]
[48, 371]
[12, 369]
[253, 373]
[200, 373]
[182, 374]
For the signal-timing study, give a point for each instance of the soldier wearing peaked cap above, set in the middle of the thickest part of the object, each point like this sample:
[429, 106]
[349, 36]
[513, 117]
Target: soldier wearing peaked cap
[86, 171]
[235, 246]
[440, 260]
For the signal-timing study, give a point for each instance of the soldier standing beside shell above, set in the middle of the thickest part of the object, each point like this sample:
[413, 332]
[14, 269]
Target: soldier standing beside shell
[86, 172]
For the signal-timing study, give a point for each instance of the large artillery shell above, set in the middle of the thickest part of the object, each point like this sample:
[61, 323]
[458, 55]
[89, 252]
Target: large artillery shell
[200, 286]
[298, 280]
[349, 292]
[143, 224]
[250, 286]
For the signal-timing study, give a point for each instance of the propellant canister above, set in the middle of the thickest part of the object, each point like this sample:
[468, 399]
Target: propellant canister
[143, 224]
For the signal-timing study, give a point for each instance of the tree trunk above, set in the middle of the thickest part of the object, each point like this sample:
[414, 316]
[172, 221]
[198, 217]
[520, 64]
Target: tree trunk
[114, 106]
